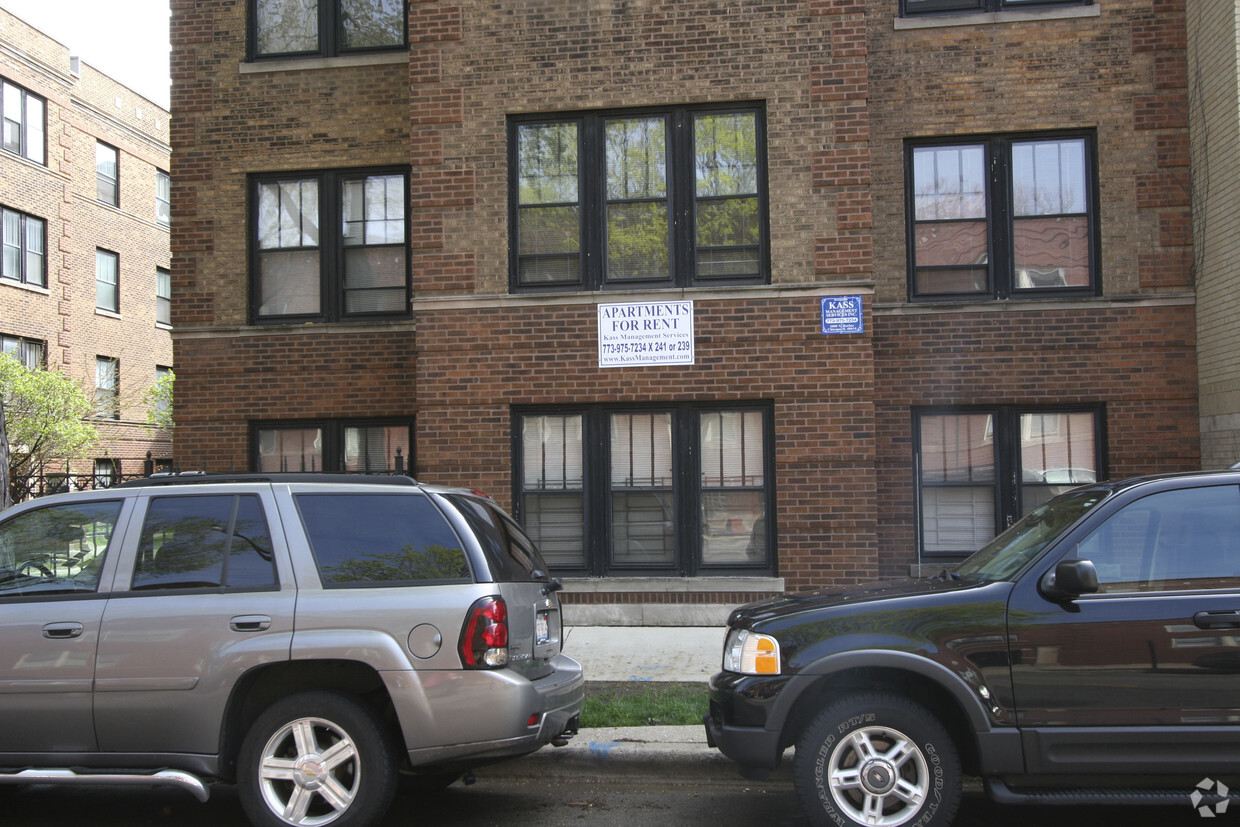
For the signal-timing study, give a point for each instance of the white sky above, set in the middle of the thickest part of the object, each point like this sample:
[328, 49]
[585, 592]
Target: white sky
[125, 39]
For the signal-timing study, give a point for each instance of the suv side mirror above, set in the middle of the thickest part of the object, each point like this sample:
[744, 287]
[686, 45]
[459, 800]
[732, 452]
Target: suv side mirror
[1070, 579]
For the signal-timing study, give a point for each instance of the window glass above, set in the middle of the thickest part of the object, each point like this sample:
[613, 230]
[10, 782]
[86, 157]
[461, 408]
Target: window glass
[552, 485]
[204, 542]
[57, 549]
[642, 514]
[1056, 450]
[290, 449]
[1172, 541]
[286, 26]
[637, 199]
[1050, 222]
[107, 174]
[380, 539]
[548, 199]
[32, 353]
[107, 388]
[288, 241]
[510, 553]
[163, 198]
[163, 296]
[372, 24]
[107, 281]
[373, 448]
[727, 218]
[374, 240]
[958, 482]
[733, 487]
[23, 238]
[949, 196]
[25, 117]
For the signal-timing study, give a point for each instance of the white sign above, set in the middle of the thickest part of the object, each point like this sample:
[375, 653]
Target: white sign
[647, 333]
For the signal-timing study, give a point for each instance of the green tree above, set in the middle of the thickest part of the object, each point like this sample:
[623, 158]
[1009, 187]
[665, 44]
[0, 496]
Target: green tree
[158, 401]
[45, 418]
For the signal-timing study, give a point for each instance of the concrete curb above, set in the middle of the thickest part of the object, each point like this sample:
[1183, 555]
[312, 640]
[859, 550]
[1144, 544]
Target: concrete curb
[665, 753]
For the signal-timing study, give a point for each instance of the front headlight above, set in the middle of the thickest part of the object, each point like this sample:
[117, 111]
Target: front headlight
[750, 653]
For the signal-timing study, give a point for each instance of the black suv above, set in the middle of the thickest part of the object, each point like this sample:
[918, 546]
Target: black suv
[1089, 654]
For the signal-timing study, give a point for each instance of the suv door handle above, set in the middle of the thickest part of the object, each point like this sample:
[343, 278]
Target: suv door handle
[63, 631]
[250, 623]
[1217, 620]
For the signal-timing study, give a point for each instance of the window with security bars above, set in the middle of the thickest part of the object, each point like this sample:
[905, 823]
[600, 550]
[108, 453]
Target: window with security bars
[330, 246]
[980, 470]
[670, 198]
[333, 446]
[25, 123]
[24, 241]
[325, 28]
[32, 353]
[681, 489]
[1003, 217]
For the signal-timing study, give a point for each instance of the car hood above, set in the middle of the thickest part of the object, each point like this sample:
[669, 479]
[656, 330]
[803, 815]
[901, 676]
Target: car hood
[791, 604]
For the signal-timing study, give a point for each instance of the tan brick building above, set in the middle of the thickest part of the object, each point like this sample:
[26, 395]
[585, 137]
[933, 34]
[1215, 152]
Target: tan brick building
[719, 298]
[85, 282]
[1214, 103]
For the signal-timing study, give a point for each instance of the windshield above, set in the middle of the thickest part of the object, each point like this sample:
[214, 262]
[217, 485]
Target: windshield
[1008, 553]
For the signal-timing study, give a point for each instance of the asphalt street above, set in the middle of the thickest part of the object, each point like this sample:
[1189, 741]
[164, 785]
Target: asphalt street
[505, 801]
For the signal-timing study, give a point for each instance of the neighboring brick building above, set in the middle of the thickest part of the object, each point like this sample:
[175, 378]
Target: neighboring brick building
[1003, 196]
[85, 279]
[1214, 102]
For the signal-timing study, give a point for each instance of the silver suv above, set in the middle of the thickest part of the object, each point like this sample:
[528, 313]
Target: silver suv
[307, 637]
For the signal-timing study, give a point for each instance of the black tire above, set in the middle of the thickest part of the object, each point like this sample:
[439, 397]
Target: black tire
[877, 759]
[316, 758]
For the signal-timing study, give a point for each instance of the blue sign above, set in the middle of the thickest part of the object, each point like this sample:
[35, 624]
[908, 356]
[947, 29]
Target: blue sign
[842, 314]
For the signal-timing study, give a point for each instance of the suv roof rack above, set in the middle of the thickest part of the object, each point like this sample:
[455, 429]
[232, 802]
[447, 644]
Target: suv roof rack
[199, 477]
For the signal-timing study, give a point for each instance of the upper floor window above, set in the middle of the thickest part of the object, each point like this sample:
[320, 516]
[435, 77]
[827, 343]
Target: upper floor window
[979, 470]
[25, 122]
[910, 8]
[325, 28]
[107, 388]
[107, 281]
[163, 296]
[163, 198]
[339, 446]
[107, 174]
[24, 241]
[329, 246]
[659, 198]
[1002, 217]
[32, 353]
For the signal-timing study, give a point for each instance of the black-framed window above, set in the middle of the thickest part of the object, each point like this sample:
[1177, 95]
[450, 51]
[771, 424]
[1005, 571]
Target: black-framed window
[913, 8]
[24, 241]
[342, 446]
[1000, 217]
[979, 469]
[107, 174]
[163, 198]
[107, 388]
[107, 281]
[32, 353]
[675, 490]
[25, 123]
[325, 28]
[330, 245]
[163, 296]
[638, 198]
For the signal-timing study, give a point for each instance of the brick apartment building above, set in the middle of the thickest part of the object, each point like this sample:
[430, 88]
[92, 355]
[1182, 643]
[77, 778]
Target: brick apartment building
[719, 298]
[85, 282]
[1214, 104]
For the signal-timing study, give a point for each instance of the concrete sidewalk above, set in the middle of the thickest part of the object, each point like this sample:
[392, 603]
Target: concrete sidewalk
[645, 653]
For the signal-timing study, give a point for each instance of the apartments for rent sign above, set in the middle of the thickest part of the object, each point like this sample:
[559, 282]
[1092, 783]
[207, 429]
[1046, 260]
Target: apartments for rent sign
[645, 333]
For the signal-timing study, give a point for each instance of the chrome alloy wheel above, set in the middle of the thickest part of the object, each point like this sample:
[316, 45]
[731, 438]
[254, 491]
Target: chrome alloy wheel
[309, 772]
[877, 775]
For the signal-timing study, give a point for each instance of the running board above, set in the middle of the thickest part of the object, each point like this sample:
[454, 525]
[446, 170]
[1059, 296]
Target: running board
[165, 778]
[999, 792]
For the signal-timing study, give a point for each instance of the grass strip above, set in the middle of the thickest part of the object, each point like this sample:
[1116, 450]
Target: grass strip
[644, 703]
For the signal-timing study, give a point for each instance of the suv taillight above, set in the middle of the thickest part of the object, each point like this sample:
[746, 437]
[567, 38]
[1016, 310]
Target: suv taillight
[484, 640]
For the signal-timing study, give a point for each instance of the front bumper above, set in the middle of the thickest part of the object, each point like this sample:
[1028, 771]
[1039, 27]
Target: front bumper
[746, 720]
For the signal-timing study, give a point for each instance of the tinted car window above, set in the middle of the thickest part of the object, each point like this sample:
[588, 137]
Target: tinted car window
[60, 548]
[511, 554]
[1171, 541]
[202, 542]
[380, 539]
